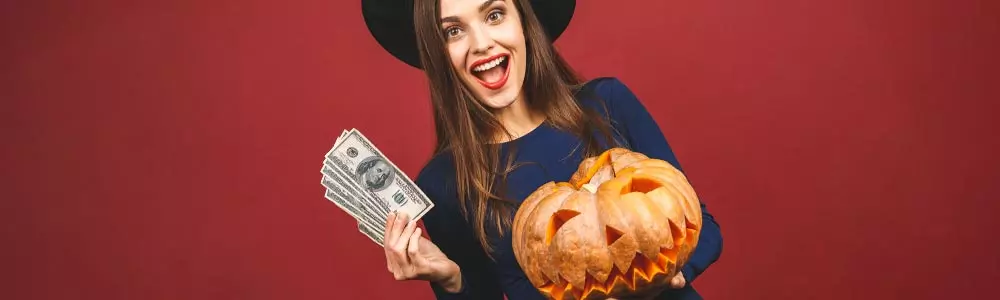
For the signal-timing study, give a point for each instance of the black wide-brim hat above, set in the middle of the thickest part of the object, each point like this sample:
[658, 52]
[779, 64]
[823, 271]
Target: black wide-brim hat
[391, 23]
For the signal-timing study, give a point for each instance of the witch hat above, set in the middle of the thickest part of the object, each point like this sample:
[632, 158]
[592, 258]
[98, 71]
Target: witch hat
[391, 24]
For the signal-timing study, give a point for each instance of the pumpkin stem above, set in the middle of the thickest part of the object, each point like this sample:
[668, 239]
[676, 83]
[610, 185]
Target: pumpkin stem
[598, 166]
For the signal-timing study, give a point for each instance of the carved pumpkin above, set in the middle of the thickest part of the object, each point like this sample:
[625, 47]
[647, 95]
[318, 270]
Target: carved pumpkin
[622, 226]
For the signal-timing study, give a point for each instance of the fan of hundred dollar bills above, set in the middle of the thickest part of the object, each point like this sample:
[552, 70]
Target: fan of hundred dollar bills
[366, 185]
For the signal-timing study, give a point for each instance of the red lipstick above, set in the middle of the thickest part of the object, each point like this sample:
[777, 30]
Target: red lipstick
[503, 79]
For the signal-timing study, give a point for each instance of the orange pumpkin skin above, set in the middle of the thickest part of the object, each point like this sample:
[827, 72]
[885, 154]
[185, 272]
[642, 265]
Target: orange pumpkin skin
[621, 227]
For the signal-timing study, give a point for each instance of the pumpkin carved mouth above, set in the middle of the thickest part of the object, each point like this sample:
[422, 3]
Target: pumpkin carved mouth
[621, 226]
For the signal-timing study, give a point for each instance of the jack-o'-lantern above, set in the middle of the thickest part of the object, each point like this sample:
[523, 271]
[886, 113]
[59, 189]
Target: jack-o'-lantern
[621, 227]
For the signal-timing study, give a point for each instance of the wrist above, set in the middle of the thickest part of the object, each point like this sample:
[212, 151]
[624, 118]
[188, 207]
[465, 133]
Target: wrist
[451, 280]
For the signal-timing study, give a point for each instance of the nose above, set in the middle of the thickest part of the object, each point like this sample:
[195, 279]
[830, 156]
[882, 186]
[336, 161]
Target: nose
[482, 42]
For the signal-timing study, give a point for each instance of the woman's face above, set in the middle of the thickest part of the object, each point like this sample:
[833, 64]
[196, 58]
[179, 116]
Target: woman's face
[486, 45]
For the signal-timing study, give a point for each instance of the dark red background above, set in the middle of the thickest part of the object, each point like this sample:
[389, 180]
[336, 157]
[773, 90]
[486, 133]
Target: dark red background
[171, 149]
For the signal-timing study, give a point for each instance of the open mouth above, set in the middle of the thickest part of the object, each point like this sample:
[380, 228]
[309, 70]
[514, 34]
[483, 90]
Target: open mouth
[492, 72]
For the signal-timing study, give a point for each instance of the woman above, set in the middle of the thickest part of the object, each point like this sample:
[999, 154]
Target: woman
[510, 115]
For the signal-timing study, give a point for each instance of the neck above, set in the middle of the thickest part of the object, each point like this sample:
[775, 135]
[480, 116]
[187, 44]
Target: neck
[518, 119]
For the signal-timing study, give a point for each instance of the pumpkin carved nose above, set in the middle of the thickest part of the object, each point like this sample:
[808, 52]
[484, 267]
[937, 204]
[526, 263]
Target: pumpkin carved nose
[612, 234]
[620, 227]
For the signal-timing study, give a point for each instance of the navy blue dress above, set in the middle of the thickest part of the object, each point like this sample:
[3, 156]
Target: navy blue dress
[553, 155]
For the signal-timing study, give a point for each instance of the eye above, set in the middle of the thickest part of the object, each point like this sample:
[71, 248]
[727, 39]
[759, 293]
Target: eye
[495, 16]
[452, 32]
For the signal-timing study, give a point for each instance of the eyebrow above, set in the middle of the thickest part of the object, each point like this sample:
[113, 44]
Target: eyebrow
[482, 7]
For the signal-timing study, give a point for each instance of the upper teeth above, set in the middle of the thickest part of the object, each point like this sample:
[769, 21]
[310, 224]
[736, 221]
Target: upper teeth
[489, 65]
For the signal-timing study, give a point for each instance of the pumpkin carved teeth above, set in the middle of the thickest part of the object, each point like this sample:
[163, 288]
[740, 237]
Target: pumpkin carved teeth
[592, 287]
[547, 287]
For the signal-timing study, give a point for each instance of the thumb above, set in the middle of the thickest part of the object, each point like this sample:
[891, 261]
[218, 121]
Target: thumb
[678, 281]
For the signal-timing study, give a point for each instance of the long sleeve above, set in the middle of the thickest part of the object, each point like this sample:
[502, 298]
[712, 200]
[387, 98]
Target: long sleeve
[449, 231]
[643, 134]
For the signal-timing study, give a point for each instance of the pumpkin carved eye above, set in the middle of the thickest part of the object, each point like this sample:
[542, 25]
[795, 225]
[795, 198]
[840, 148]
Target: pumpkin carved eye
[558, 219]
[622, 226]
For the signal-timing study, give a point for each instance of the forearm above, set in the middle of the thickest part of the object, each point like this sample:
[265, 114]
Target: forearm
[708, 250]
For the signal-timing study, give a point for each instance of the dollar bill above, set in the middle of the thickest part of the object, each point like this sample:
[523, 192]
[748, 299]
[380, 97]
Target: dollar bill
[372, 233]
[355, 156]
[346, 195]
[378, 205]
[365, 198]
[348, 201]
[336, 196]
[369, 187]
[342, 134]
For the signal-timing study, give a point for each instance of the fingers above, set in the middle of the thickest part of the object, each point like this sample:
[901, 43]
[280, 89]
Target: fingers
[395, 224]
[389, 222]
[397, 236]
[395, 255]
[404, 239]
[413, 248]
[398, 224]
[387, 241]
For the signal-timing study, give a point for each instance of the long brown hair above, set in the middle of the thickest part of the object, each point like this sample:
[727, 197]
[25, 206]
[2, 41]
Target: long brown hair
[467, 129]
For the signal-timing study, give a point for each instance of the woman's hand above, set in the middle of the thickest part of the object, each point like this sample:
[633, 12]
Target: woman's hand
[678, 281]
[411, 256]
